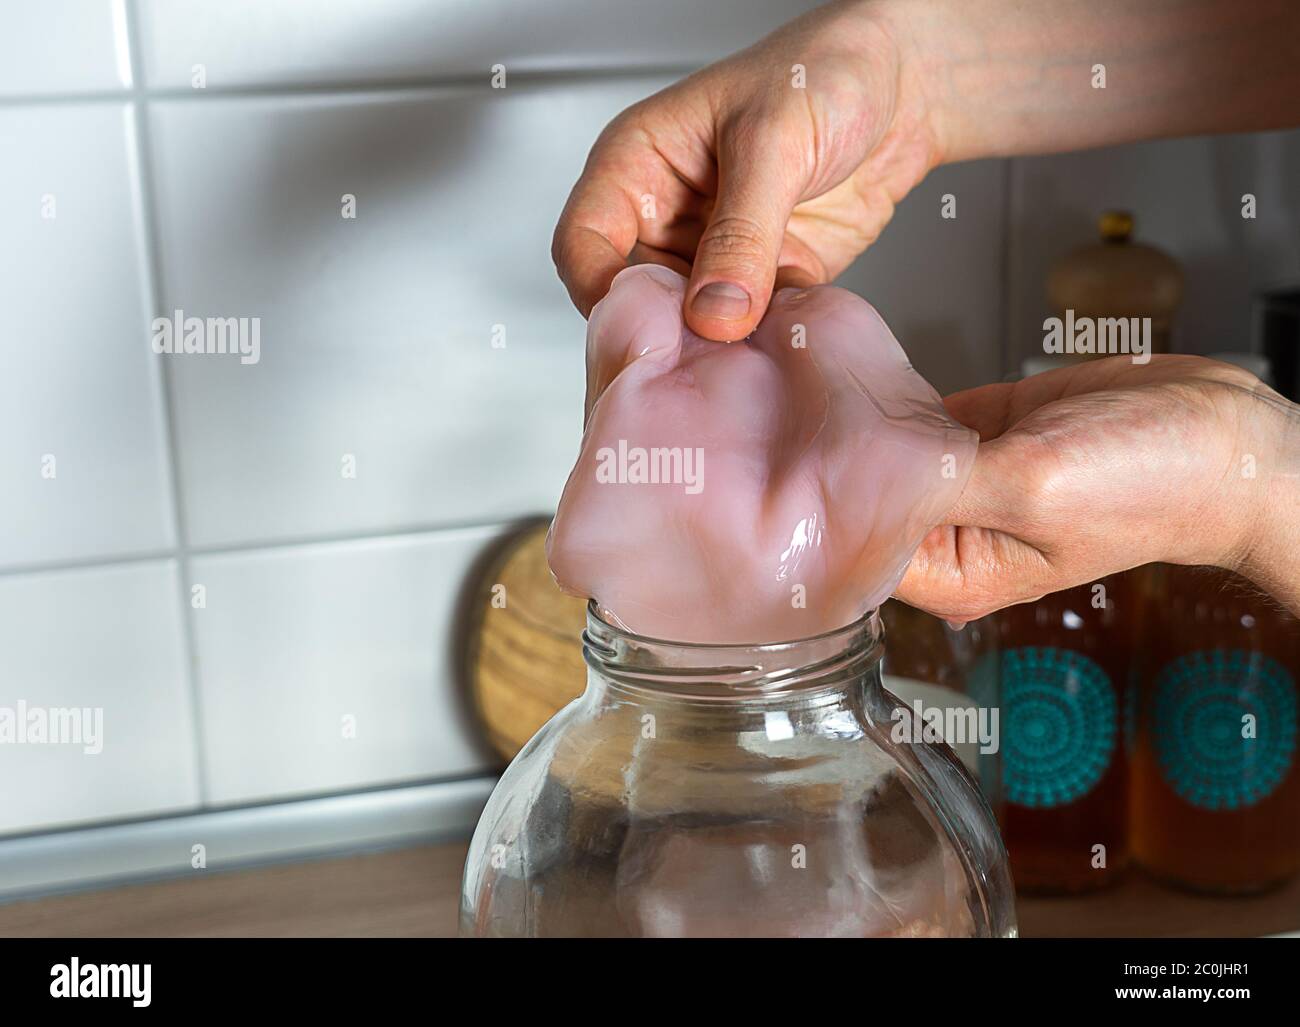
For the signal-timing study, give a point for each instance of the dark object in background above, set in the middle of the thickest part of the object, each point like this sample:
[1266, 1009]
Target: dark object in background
[1216, 785]
[1277, 328]
[1065, 666]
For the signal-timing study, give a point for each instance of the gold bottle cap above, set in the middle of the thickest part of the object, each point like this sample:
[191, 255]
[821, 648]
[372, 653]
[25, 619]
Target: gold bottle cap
[1116, 226]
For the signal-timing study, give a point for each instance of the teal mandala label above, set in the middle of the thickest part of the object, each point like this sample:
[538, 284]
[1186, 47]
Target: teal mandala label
[1060, 726]
[1224, 727]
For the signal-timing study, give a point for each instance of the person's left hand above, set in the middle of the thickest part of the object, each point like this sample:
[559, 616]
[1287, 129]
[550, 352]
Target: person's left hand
[1090, 470]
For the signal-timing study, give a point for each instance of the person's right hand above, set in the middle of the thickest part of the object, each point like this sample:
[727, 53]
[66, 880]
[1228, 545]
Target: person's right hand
[1093, 469]
[742, 175]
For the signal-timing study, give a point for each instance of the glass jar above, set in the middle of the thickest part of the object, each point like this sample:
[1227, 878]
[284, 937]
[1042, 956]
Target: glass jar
[1216, 779]
[1065, 695]
[732, 791]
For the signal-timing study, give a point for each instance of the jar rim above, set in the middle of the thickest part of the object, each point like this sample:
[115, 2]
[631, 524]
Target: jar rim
[866, 620]
[720, 670]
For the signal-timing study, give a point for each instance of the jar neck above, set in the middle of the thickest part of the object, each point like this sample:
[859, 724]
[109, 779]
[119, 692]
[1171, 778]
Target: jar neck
[834, 661]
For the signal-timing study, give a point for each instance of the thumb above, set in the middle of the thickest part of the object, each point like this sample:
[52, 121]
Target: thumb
[998, 494]
[736, 259]
[988, 552]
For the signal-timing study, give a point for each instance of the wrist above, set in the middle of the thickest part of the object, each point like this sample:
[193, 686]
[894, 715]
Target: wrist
[1267, 548]
[917, 32]
[944, 55]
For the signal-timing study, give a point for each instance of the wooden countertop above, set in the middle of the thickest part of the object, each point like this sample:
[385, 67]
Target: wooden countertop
[414, 893]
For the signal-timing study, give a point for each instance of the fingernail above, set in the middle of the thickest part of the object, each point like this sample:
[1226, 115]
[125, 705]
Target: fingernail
[723, 300]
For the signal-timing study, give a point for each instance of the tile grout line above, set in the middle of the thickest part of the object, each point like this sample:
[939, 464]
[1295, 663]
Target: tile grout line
[529, 80]
[150, 241]
[88, 563]
[400, 531]
[274, 545]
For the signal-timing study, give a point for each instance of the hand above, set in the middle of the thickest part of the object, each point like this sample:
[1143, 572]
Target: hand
[1089, 470]
[740, 177]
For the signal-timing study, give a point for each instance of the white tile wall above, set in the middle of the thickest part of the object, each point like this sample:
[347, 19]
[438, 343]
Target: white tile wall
[253, 42]
[377, 332]
[107, 638]
[294, 641]
[82, 454]
[64, 46]
[1186, 195]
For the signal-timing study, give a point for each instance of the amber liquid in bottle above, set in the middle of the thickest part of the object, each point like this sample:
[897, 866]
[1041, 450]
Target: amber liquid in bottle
[1064, 695]
[1216, 788]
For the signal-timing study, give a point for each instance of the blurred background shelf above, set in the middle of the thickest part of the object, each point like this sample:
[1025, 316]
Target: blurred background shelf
[414, 893]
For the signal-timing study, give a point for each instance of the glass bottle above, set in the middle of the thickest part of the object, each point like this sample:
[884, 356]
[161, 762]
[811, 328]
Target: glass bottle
[1216, 788]
[1065, 672]
[1117, 277]
[733, 791]
[948, 668]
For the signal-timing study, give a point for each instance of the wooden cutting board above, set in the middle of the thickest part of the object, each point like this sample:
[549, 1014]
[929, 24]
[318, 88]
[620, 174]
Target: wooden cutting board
[524, 643]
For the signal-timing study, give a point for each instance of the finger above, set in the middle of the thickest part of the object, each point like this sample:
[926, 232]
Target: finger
[1000, 492]
[992, 409]
[993, 548]
[596, 231]
[790, 276]
[644, 253]
[736, 261]
[588, 266]
[962, 574]
[985, 409]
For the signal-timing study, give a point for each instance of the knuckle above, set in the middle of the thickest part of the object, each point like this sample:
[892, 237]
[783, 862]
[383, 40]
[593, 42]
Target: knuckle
[734, 237]
[1045, 477]
[559, 246]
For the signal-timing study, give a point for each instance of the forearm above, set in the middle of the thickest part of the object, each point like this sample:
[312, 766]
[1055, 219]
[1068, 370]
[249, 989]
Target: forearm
[1004, 77]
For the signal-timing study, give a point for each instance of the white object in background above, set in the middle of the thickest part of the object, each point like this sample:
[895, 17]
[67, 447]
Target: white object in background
[106, 639]
[332, 666]
[937, 697]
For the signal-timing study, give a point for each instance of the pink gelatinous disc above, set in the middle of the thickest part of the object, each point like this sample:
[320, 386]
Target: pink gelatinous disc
[757, 491]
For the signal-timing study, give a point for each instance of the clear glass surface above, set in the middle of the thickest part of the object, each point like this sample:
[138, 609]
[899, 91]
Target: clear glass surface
[735, 791]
